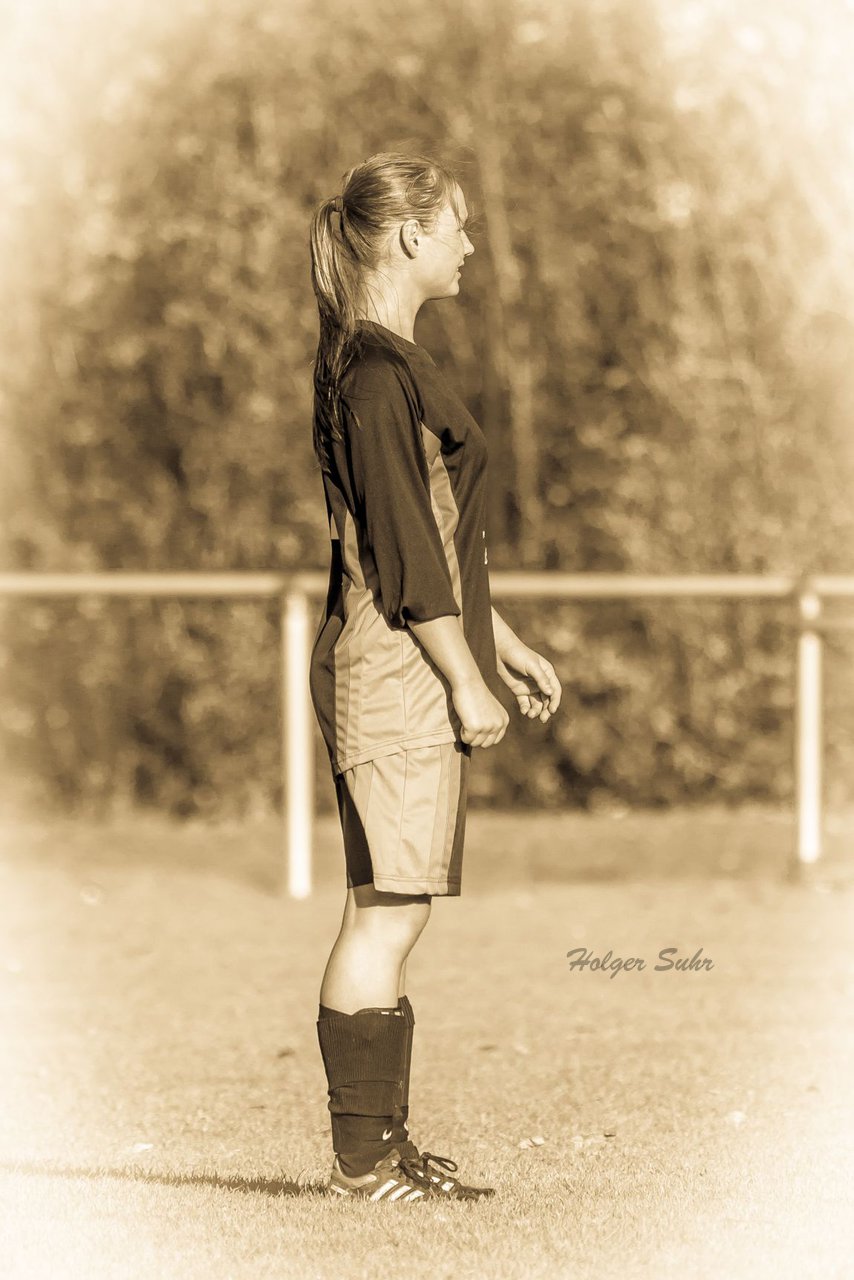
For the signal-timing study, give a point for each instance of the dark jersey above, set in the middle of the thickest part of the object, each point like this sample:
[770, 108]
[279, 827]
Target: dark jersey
[408, 544]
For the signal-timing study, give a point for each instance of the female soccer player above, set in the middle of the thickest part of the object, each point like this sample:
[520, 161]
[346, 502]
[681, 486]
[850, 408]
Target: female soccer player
[407, 659]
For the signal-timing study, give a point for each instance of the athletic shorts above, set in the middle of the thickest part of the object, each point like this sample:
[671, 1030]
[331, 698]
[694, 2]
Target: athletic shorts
[403, 819]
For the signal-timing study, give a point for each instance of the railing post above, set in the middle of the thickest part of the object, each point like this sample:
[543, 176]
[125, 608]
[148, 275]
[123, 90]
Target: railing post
[297, 758]
[808, 732]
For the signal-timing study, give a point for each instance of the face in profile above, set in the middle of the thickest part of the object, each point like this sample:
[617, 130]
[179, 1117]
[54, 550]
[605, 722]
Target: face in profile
[443, 251]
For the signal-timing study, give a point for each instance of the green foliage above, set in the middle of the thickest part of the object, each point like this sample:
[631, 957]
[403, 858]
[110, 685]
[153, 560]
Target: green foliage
[653, 332]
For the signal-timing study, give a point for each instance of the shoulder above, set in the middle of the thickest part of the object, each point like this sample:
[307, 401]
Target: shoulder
[378, 369]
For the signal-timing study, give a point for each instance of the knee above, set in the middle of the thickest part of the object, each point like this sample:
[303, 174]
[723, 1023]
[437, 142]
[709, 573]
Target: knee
[394, 921]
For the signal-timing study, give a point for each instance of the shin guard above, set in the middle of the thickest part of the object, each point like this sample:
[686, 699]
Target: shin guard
[362, 1054]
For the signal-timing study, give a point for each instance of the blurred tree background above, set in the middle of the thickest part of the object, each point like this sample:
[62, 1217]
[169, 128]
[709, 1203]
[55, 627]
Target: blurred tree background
[654, 332]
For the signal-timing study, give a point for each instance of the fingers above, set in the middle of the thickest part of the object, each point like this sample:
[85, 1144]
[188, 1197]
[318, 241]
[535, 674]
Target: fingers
[487, 737]
[542, 687]
[484, 739]
[549, 684]
[539, 707]
[538, 690]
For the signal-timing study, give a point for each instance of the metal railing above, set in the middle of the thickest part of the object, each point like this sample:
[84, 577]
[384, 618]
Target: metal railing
[296, 591]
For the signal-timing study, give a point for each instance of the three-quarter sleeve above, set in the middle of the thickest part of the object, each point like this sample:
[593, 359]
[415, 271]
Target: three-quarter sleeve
[391, 484]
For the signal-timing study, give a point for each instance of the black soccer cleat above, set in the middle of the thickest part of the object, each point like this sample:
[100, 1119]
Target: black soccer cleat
[437, 1183]
[404, 1179]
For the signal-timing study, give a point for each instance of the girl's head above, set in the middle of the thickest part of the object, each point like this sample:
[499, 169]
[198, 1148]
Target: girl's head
[396, 227]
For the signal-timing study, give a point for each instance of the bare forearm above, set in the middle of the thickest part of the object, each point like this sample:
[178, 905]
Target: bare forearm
[505, 637]
[445, 641]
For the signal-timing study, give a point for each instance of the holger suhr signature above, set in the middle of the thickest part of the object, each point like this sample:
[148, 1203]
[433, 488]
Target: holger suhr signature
[581, 958]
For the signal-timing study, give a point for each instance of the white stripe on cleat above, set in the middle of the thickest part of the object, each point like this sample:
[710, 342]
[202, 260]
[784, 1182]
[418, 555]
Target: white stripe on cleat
[401, 1190]
[380, 1192]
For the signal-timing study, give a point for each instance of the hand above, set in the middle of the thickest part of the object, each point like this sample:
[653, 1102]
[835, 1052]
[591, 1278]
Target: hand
[533, 680]
[484, 720]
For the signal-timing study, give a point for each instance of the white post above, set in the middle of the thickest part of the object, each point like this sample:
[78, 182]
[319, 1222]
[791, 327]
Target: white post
[298, 789]
[808, 732]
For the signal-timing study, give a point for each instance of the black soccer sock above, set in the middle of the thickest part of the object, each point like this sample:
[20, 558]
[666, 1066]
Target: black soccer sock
[362, 1054]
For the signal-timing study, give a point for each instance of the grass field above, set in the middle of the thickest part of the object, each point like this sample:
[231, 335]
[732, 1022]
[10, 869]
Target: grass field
[164, 1108]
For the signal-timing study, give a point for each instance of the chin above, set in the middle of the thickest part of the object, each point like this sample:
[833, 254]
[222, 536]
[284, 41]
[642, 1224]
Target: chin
[450, 291]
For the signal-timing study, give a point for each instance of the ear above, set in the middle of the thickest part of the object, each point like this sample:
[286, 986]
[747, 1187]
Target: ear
[410, 234]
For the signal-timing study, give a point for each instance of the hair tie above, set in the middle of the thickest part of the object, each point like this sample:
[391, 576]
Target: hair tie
[338, 204]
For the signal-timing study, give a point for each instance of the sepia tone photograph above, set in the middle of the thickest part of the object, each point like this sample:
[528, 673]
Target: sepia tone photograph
[426, 639]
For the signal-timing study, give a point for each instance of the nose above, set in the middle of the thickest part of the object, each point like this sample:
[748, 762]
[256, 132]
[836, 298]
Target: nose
[468, 246]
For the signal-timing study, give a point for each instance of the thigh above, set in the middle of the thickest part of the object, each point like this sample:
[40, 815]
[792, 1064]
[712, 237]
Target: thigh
[403, 820]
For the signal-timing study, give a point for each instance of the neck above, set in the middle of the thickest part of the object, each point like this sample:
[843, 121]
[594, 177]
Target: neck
[394, 308]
